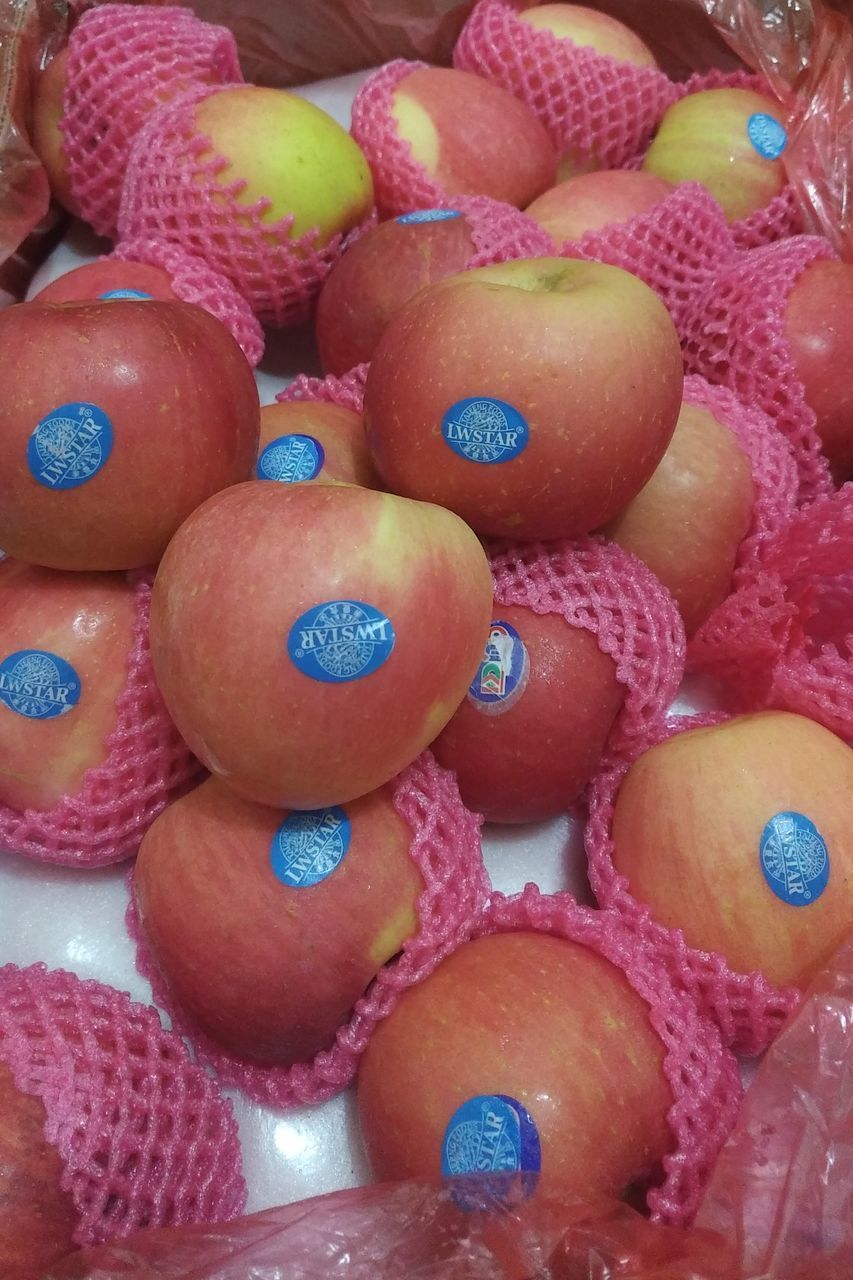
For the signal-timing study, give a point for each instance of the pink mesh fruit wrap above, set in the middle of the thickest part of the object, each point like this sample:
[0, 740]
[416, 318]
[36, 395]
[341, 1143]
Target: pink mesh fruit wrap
[194, 281]
[173, 193]
[596, 585]
[735, 336]
[145, 1137]
[588, 102]
[446, 847]
[748, 1009]
[702, 1073]
[784, 639]
[147, 765]
[122, 60]
[346, 391]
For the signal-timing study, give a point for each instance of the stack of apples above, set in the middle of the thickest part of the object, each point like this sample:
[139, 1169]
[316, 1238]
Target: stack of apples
[323, 610]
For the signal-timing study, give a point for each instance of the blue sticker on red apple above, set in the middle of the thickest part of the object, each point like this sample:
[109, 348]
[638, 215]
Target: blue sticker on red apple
[483, 429]
[340, 640]
[428, 215]
[70, 445]
[493, 1139]
[767, 135]
[129, 295]
[309, 845]
[503, 673]
[290, 459]
[794, 859]
[38, 685]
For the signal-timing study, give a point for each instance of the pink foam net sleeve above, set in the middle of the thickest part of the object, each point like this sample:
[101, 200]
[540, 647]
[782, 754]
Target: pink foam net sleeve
[735, 336]
[174, 193]
[145, 1137]
[702, 1073]
[784, 639]
[748, 1009]
[589, 102]
[147, 765]
[446, 848]
[194, 281]
[596, 585]
[346, 391]
[123, 61]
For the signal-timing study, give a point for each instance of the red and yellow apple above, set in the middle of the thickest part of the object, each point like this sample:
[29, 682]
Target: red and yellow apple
[108, 279]
[378, 273]
[740, 836]
[311, 640]
[545, 437]
[590, 29]
[527, 738]
[595, 200]
[64, 645]
[113, 432]
[819, 329]
[729, 139]
[688, 522]
[312, 441]
[268, 925]
[473, 137]
[547, 1028]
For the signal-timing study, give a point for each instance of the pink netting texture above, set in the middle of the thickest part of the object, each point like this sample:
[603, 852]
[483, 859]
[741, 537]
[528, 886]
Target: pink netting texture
[194, 281]
[747, 1008]
[589, 102]
[144, 1135]
[784, 639]
[123, 62]
[346, 391]
[147, 765]
[499, 231]
[703, 1075]
[173, 193]
[735, 336]
[596, 585]
[446, 847]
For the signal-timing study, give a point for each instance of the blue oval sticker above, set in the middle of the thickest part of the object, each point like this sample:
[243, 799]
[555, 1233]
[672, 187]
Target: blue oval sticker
[340, 640]
[428, 215]
[503, 673]
[133, 295]
[309, 846]
[290, 459]
[483, 429]
[495, 1138]
[794, 859]
[38, 685]
[70, 445]
[767, 135]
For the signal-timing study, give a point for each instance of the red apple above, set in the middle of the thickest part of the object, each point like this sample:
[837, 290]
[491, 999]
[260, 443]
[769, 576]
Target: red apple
[45, 128]
[473, 137]
[542, 437]
[64, 644]
[382, 270]
[544, 1040]
[739, 835]
[527, 738]
[819, 328]
[108, 279]
[267, 925]
[590, 29]
[314, 442]
[690, 519]
[595, 200]
[311, 640]
[729, 139]
[37, 1218]
[115, 426]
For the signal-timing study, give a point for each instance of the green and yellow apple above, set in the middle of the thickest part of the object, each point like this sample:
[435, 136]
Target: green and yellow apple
[590, 29]
[314, 442]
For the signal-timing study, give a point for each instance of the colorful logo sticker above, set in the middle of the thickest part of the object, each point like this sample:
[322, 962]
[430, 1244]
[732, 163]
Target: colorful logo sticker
[794, 859]
[70, 446]
[290, 459]
[309, 846]
[135, 295]
[38, 685]
[767, 135]
[483, 429]
[502, 675]
[495, 1138]
[340, 640]
[429, 215]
